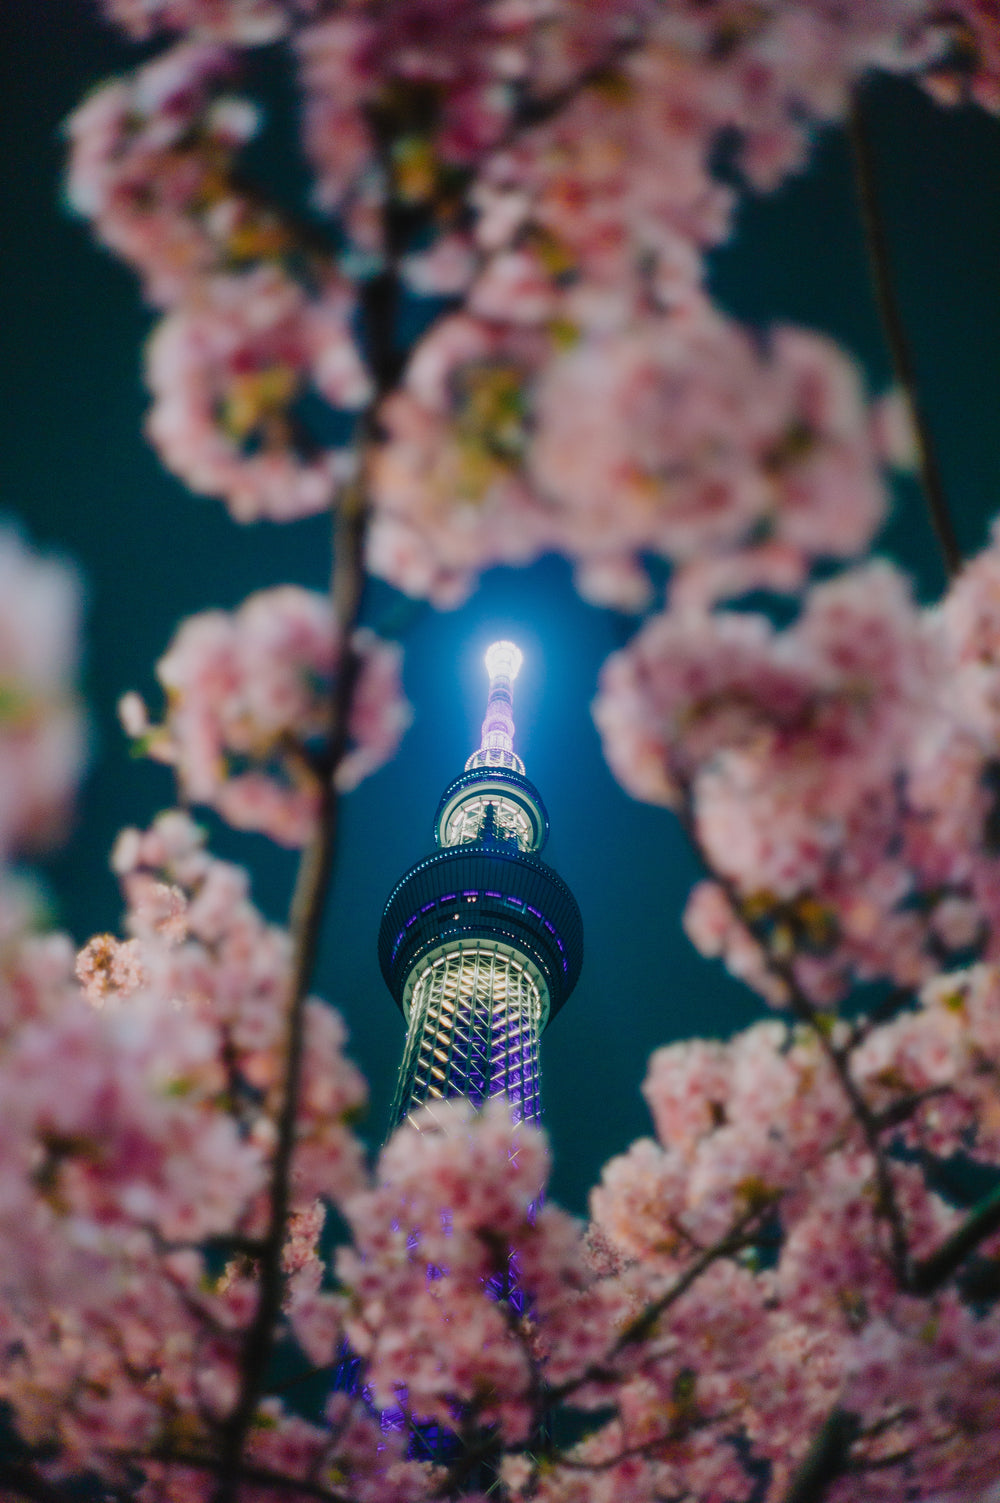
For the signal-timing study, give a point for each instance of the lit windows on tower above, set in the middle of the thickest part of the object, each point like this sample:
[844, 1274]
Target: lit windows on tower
[481, 942]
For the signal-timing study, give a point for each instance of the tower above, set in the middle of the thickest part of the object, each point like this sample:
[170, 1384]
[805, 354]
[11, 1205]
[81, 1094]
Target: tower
[481, 942]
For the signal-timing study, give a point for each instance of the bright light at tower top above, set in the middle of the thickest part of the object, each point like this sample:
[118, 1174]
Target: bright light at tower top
[496, 749]
[503, 659]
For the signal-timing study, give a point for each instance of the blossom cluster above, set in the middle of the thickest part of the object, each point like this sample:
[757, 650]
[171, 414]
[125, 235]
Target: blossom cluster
[139, 1127]
[739, 1278]
[556, 168]
[740, 461]
[837, 776]
[256, 328]
[248, 703]
[810, 1312]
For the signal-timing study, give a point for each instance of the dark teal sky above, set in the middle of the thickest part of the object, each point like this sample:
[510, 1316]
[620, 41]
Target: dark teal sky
[74, 467]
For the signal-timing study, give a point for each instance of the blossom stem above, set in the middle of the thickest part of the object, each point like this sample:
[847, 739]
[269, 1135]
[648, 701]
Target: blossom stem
[897, 339]
[643, 1324]
[305, 923]
[536, 112]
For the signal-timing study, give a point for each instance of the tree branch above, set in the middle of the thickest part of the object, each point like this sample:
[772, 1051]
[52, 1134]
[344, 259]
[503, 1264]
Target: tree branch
[306, 916]
[887, 1205]
[839, 1059]
[643, 1324]
[930, 1273]
[897, 339]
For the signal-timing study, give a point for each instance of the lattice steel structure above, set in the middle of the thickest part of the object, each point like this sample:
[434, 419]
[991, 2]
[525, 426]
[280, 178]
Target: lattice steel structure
[481, 942]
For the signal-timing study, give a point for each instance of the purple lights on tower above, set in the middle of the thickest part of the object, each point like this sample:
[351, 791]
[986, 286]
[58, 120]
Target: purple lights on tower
[503, 661]
[481, 942]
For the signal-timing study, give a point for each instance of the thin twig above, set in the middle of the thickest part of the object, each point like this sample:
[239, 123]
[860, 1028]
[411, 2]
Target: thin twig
[897, 339]
[644, 1323]
[887, 1204]
[650, 1449]
[539, 110]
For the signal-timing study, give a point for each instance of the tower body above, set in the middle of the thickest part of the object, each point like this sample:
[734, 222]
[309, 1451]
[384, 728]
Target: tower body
[481, 942]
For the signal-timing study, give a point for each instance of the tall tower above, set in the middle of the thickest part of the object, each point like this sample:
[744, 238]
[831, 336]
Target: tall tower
[481, 942]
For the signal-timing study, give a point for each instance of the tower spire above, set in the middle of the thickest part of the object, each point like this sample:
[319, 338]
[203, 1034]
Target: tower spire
[496, 748]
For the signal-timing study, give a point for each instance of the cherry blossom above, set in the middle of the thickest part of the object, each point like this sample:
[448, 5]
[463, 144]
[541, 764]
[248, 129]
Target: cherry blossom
[227, 371]
[244, 21]
[247, 698]
[435, 78]
[677, 438]
[787, 752]
[451, 493]
[790, 1255]
[681, 439]
[107, 1190]
[150, 158]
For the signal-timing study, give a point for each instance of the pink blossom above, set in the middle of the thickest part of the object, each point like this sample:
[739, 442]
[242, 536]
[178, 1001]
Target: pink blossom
[453, 1204]
[226, 368]
[749, 1268]
[968, 67]
[144, 167]
[448, 484]
[248, 694]
[249, 22]
[105, 969]
[786, 750]
[364, 63]
[681, 439]
[676, 438]
[617, 180]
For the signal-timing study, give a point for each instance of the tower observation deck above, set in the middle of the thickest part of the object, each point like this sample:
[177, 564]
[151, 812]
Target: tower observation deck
[481, 942]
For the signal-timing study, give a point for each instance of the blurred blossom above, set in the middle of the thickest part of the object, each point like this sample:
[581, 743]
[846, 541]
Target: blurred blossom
[742, 1276]
[41, 724]
[228, 369]
[248, 702]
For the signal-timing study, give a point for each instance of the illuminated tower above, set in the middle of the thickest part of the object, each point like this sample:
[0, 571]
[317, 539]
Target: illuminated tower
[481, 942]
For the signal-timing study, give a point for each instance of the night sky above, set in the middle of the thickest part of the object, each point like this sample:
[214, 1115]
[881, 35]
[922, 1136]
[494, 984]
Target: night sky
[77, 472]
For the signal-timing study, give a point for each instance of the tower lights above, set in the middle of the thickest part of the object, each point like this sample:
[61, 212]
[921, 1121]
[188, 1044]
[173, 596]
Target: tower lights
[481, 942]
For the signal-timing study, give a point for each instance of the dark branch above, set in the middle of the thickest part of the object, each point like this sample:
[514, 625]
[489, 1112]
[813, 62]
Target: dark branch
[826, 1459]
[21, 1479]
[933, 1271]
[306, 919]
[898, 341]
[644, 1323]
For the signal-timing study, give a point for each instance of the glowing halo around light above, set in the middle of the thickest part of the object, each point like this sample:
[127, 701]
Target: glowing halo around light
[503, 659]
